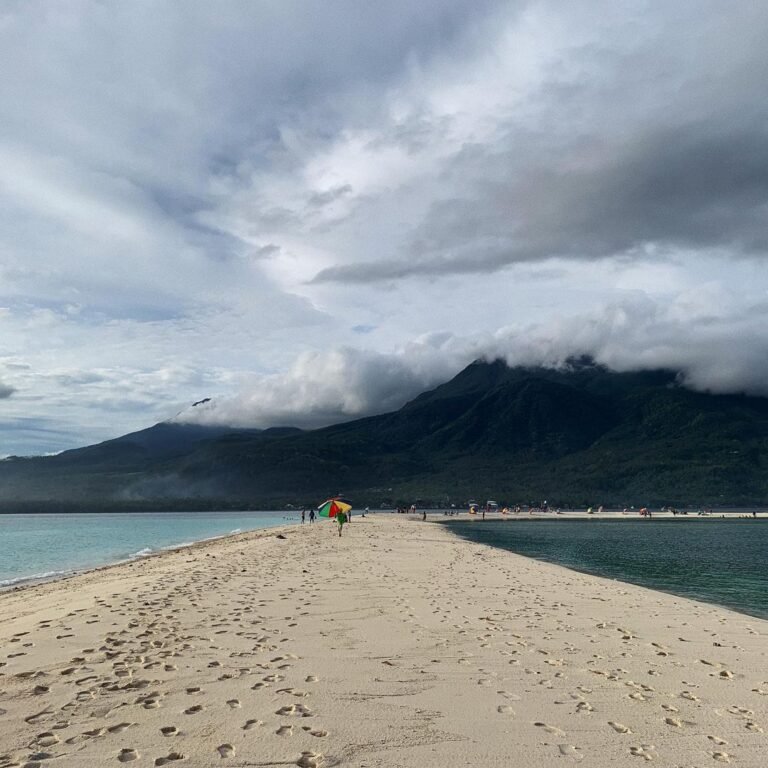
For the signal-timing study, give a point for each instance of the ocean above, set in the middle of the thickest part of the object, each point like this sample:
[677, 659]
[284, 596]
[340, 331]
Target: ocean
[713, 560]
[43, 546]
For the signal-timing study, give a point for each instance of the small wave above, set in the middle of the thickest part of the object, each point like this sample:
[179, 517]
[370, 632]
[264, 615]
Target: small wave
[33, 577]
[236, 530]
[176, 546]
[141, 553]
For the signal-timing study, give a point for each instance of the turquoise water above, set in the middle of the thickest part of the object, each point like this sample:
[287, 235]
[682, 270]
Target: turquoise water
[717, 561]
[45, 546]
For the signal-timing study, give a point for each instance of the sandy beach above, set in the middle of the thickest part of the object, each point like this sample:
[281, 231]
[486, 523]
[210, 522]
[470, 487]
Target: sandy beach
[395, 645]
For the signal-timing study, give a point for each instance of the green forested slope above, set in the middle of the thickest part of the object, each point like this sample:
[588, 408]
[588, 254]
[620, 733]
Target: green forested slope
[581, 435]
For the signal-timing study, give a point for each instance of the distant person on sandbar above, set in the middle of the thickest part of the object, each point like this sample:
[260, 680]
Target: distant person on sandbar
[311, 515]
[341, 518]
[303, 514]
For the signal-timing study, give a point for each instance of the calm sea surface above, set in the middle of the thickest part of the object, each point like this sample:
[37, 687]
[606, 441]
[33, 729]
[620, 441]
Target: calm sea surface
[718, 561]
[44, 546]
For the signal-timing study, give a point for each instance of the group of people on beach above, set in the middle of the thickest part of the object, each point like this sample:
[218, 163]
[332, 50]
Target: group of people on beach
[342, 518]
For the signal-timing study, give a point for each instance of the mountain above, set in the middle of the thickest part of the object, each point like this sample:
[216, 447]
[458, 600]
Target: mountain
[581, 434]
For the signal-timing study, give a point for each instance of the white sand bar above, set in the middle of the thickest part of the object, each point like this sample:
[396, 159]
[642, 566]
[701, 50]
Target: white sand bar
[396, 645]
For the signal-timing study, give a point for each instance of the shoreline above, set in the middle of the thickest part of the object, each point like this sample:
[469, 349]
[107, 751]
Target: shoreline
[62, 576]
[397, 644]
[148, 551]
[433, 516]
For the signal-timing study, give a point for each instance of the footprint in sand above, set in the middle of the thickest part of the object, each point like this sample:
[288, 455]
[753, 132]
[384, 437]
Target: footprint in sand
[47, 739]
[569, 750]
[299, 710]
[285, 730]
[721, 757]
[169, 730]
[509, 696]
[128, 755]
[646, 751]
[194, 710]
[119, 728]
[252, 724]
[505, 709]
[310, 760]
[169, 758]
[619, 727]
[688, 695]
[310, 679]
[234, 703]
[554, 730]
[226, 750]
[717, 740]
[584, 706]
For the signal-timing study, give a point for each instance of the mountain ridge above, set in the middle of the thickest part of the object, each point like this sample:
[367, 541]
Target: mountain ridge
[577, 434]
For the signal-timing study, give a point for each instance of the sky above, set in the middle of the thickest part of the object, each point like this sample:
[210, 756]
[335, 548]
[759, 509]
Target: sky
[311, 212]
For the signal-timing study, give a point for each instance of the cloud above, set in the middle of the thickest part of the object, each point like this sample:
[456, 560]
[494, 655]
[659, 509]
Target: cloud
[5, 391]
[126, 146]
[578, 156]
[683, 189]
[692, 336]
[206, 200]
[324, 388]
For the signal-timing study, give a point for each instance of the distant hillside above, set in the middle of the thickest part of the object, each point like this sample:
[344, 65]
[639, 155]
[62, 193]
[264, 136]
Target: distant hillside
[581, 435]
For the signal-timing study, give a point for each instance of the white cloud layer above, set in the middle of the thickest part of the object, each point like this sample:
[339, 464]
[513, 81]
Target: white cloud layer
[312, 211]
[693, 336]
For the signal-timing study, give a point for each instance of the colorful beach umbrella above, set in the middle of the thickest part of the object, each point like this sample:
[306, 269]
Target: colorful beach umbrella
[332, 507]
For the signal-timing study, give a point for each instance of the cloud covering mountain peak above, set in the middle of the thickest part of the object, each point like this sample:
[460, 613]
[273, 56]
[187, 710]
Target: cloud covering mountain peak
[316, 211]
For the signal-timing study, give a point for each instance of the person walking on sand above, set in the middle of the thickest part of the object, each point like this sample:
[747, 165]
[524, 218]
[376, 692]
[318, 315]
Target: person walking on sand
[341, 518]
[303, 513]
[311, 516]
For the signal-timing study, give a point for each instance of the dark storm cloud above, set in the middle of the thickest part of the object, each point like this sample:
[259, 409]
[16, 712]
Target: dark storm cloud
[134, 124]
[173, 174]
[695, 187]
[629, 147]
